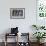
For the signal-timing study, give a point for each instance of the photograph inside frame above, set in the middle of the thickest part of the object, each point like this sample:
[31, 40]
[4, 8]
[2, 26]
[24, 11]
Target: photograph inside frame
[17, 13]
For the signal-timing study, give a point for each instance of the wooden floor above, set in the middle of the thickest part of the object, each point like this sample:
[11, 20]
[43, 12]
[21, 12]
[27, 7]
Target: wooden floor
[13, 44]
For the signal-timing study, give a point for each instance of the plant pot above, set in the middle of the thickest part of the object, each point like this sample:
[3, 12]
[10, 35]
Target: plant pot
[40, 41]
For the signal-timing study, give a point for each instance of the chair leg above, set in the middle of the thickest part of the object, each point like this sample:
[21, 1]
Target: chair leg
[5, 43]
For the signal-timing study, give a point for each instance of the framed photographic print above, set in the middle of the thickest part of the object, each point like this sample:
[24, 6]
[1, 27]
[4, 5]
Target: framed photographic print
[41, 8]
[17, 13]
[41, 12]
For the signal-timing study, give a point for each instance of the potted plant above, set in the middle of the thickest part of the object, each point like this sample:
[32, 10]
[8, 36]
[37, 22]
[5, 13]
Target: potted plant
[39, 35]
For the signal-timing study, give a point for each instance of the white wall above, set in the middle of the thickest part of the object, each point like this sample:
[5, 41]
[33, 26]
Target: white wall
[23, 24]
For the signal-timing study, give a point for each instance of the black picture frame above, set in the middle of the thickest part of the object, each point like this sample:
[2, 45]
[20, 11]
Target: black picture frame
[17, 13]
